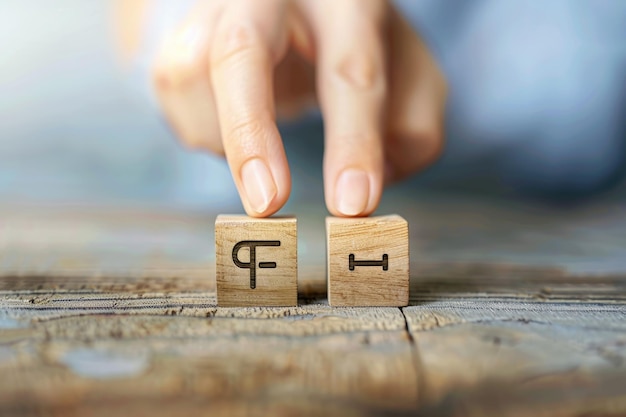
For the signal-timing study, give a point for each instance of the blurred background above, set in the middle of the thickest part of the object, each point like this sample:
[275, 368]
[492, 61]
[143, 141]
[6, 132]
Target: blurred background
[537, 106]
[78, 124]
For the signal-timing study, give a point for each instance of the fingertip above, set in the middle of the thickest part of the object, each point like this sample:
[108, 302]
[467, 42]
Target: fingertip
[258, 185]
[356, 193]
[263, 191]
[352, 192]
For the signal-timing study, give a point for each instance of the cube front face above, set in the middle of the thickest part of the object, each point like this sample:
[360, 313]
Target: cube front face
[368, 261]
[256, 261]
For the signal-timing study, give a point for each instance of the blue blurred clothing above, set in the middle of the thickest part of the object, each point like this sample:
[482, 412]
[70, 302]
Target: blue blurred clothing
[537, 89]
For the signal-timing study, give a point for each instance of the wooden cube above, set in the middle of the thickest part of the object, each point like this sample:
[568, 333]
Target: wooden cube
[368, 261]
[256, 261]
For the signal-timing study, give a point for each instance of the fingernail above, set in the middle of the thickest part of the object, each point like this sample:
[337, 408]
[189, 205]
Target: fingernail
[352, 192]
[258, 184]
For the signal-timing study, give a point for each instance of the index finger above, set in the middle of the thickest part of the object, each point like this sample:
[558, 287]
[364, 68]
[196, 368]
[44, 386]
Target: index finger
[248, 41]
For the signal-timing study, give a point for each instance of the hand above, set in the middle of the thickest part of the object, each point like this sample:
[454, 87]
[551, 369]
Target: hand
[235, 64]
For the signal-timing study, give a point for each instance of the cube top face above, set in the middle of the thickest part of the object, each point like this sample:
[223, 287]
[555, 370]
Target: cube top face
[256, 261]
[368, 261]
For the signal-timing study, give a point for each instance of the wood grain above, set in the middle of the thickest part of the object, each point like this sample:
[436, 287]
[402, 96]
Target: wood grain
[113, 311]
[368, 261]
[251, 275]
[149, 348]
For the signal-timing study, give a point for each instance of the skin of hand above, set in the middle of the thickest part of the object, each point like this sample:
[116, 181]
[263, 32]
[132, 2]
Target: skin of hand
[234, 66]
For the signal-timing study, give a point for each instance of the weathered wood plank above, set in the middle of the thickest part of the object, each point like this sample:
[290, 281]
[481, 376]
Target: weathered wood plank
[309, 318]
[514, 311]
[566, 394]
[88, 350]
[466, 343]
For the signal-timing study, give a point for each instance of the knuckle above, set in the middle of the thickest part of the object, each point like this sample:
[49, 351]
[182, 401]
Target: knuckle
[364, 69]
[193, 143]
[189, 140]
[215, 146]
[417, 148]
[377, 11]
[372, 14]
[246, 132]
[361, 72]
[430, 141]
[201, 143]
[194, 139]
[434, 147]
[173, 73]
[233, 41]
[160, 76]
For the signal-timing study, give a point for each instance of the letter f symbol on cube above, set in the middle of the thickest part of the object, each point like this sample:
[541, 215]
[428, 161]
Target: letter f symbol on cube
[252, 245]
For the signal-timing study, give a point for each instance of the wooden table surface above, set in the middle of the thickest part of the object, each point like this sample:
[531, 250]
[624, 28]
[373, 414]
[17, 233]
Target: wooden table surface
[515, 310]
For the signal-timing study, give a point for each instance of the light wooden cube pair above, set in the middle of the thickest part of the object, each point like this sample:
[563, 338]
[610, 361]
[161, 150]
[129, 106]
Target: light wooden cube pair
[257, 261]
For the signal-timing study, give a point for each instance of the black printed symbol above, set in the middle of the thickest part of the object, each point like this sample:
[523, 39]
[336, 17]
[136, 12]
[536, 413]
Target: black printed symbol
[252, 245]
[384, 263]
